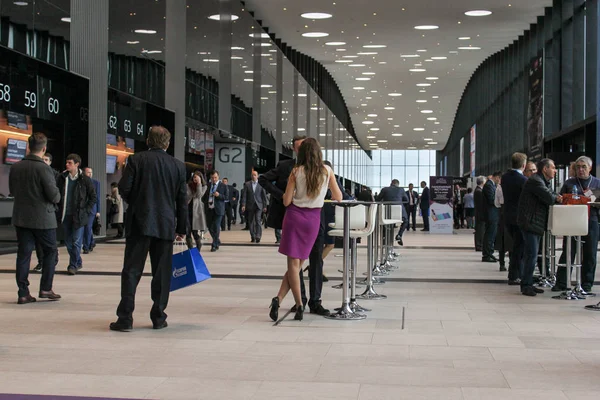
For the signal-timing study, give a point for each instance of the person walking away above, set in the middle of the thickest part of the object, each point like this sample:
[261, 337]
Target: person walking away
[424, 205]
[118, 208]
[33, 186]
[502, 238]
[78, 198]
[254, 201]
[235, 202]
[154, 186]
[304, 198]
[88, 235]
[215, 197]
[480, 223]
[396, 194]
[532, 217]
[196, 189]
[227, 218]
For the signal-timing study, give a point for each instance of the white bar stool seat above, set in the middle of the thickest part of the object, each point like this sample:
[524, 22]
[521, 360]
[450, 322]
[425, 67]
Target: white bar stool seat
[569, 220]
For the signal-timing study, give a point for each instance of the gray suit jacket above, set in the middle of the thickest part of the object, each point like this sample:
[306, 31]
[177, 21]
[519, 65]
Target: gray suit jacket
[252, 199]
[33, 186]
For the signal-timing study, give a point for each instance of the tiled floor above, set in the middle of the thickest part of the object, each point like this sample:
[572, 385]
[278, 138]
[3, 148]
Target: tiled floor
[466, 341]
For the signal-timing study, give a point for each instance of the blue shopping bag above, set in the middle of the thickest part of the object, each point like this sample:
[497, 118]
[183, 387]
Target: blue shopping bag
[189, 268]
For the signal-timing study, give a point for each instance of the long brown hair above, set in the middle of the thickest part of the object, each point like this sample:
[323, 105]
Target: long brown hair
[311, 158]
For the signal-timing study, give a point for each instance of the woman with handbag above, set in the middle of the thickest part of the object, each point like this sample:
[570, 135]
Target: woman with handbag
[196, 216]
[304, 198]
[116, 210]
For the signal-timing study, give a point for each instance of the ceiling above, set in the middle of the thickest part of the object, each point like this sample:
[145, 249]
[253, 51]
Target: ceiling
[391, 23]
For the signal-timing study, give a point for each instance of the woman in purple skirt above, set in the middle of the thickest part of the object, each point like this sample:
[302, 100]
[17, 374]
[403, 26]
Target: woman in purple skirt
[304, 197]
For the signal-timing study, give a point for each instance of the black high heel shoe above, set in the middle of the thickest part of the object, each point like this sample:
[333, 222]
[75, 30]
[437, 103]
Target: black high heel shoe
[274, 314]
[299, 313]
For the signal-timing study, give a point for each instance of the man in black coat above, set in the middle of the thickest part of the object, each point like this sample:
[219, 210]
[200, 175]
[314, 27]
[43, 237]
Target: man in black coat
[479, 213]
[492, 216]
[235, 201]
[214, 198]
[413, 202]
[228, 217]
[534, 207]
[424, 204]
[154, 186]
[275, 182]
[254, 201]
[78, 198]
[512, 185]
[33, 186]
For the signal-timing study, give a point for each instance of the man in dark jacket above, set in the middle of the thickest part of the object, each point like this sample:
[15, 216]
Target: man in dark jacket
[154, 186]
[395, 193]
[512, 185]
[413, 202]
[492, 216]
[228, 216]
[88, 235]
[214, 198]
[479, 213]
[33, 186]
[78, 198]
[235, 201]
[424, 205]
[532, 218]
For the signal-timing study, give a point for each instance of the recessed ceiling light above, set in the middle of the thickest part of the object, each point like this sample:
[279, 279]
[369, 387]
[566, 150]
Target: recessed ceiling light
[340, 49]
[301, 94]
[464, 38]
[432, 119]
[478, 13]
[156, 52]
[316, 15]
[426, 111]
[426, 27]
[439, 58]
[369, 98]
[20, 3]
[374, 46]
[432, 143]
[133, 41]
[470, 48]
[389, 108]
[266, 86]
[363, 105]
[68, 19]
[315, 34]
[211, 60]
[371, 137]
[395, 94]
[369, 73]
[411, 148]
[335, 43]
[435, 97]
[237, 48]
[264, 44]
[356, 65]
[372, 115]
[382, 62]
[427, 139]
[367, 53]
[343, 61]
[358, 88]
[217, 17]
[248, 72]
[145, 31]
[421, 101]
[409, 55]
[418, 70]
[372, 91]
[350, 56]
[396, 134]
[363, 79]
[434, 131]
[418, 129]
[423, 84]
[437, 122]
[259, 35]
[264, 98]
[237, 58]
[368, 122]
[422, 91]
[272, 91]
[248, 80]
[374, 129]
[382, 141]
[432, 78]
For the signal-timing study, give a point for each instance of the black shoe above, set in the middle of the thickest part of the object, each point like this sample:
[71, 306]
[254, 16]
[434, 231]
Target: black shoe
[293, 309]
[488, 259]
[319, 310]
[325, 279]
[161, 325]
[245, 229]
[502, 268]
[516, 282]
[120, 326]
[252, 240]
[38, 268]
[71, 270]
[538, 290]
[274, 313]
[277, 241]
[299, 314]
[399, 239]
[424, 230]
[559, 289]
[26, 299]
[86, 251]
[213, 249]
[528, 291]
[257, 241]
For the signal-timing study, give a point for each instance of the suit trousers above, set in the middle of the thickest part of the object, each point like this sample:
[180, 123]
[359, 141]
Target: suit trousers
[412, 215]
[425, 212]
[589, 258]
[489, 238]
[255, 218]
[27, 239]
[315, 271]
[88, 235]
[234, 212]
[137, 248]
[214, 226]
[479, 232]
[228, 217]
[515, 268]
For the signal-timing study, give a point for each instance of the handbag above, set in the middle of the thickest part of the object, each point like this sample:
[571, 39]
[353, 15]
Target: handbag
[188, 268]
[96, 226]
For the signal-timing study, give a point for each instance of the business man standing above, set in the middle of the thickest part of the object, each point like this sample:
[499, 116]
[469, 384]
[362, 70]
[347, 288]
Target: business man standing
[413, 202]
[424, 204]
[33, 186]
[215, 198]
[254, 200]
[88, 235]
[397, 194]
[154, 186]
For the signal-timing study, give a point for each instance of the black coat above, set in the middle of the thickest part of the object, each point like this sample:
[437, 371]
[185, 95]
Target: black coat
[153, 184]
[394, 193]
[479, 208]
[275, 181]
[33, 186]
[83, 201]
[491, 212]
[512, 186]
[534, 204]
[424, 201]
[219, 201]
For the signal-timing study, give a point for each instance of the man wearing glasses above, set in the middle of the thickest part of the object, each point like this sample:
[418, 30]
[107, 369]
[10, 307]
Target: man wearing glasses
[586, 185]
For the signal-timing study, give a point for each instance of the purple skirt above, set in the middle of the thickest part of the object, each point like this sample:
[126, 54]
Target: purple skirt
[299, 231]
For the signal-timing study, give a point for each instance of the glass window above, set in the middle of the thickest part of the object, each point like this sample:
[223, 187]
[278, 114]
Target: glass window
[424, 173]
[412, 157]
[412, 175]
[377, 157]
[386, 175]
[423, 157]
[398, 173]
[386, 157]
[399, 157]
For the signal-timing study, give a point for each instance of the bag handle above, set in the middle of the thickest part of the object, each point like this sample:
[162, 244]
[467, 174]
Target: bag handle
[179, 246]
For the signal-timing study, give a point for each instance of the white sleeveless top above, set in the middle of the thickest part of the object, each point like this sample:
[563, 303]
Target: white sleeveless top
[301, 198]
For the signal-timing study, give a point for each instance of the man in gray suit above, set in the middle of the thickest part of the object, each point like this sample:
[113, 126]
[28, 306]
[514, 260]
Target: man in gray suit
[32, 183]
[254, 200]
[395, 193]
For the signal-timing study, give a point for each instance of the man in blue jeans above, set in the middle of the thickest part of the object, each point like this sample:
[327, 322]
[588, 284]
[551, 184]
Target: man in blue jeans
[88, 235]
[77, 199]
[534, 207]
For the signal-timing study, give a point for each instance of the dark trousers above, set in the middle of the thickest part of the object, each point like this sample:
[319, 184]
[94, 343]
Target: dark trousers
[234, 212]
[531, 247]
[88, 235]
[403, 227]
[589, 258]
[412, 214]
[459, 216]
[278, 235]
[119, 228]
[242, 215]
[489, 238]
[228, 217]
[255, 219]
[214, 227]
[425, 213]
[27, 238]
[161, 259]
[315, 271]
[73, 238]
[479, 233]
[515, 268]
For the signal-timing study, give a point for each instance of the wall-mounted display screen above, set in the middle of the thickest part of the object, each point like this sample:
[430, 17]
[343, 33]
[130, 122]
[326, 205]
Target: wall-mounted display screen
[15, 151]
[111, 164]
[126, 116]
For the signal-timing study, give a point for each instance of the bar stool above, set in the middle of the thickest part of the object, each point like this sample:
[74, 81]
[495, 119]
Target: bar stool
[394, 216]
[370, 280]
[357, 221]
[351, 232]
[570, 221]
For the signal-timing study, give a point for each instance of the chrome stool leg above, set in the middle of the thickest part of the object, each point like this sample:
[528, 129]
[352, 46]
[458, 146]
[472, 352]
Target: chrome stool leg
[578, 258]
[544, 282]
[571, 294]
[353, 304]
[370, 293]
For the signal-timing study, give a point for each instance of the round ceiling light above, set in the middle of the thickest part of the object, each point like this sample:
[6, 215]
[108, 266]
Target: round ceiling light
[316, 15]
[143, 31]
[217, 17]
[478, 13]
[374, 46]
[315, 34]
[470, 48]
[395, 94]
[368, 122]
[335, 43]
[426, 27]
